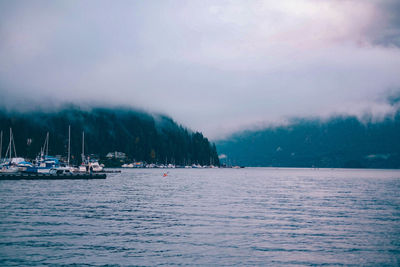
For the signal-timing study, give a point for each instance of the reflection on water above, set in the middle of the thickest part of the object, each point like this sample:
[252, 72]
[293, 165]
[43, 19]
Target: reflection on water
[253, 216]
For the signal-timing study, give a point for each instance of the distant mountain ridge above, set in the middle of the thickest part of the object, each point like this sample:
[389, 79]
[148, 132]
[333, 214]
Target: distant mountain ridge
[341, 142]
[142, 136]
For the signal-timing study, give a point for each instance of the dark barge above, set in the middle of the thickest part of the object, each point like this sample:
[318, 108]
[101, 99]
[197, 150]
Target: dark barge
[43, 176]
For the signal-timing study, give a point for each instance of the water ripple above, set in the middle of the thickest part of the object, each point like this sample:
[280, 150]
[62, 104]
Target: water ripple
[255, 216]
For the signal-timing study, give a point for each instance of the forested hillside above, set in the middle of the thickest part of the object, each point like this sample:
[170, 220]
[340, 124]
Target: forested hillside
[338, 142]
[143, 137]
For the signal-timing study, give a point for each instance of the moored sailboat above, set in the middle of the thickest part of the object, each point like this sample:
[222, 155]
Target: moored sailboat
[88, 164]
[9, 165]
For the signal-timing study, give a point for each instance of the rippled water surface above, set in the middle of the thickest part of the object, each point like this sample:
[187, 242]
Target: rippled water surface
[205, 217]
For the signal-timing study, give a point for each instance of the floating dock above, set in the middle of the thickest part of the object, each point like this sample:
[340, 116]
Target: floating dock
[42, 176]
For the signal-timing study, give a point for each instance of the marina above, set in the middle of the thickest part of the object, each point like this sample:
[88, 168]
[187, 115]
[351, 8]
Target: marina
[47, 167]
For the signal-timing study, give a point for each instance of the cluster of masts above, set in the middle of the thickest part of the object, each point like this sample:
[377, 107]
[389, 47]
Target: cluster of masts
[44, 163]
[11, 146]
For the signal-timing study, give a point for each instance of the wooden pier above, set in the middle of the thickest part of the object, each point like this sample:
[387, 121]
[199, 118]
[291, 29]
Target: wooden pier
[42, 176]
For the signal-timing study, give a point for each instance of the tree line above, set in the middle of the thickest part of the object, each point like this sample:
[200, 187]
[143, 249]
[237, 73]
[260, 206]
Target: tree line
[339, 142]
[141, 136]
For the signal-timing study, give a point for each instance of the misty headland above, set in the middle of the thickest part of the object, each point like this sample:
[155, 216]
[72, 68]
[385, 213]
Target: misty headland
[141, 136]
[336, 142]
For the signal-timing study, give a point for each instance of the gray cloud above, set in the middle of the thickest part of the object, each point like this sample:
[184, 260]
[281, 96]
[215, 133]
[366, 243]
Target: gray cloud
[387, 32]
[215, 66]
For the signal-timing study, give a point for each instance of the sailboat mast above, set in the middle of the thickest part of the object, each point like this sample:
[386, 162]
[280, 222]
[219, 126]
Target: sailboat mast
[15, 151]
[1, 143]
[42, 150]
[83, 146]
[9, 145]
[69, 142]
[47, 144]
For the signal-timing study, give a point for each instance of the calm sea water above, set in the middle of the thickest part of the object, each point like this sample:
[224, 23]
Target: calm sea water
[254, 216]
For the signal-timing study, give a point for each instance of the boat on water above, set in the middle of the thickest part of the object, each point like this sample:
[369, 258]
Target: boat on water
[44, 163]
[9, 169]
[125, 165]
[139, 164]
[96, 167]
[89, 164]
[196, 166]
[14, 165]
[23, 165]
[44, 167]
[10, 164]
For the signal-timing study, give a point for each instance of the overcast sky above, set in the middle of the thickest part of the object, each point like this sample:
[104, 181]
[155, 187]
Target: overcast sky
[214, 66]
